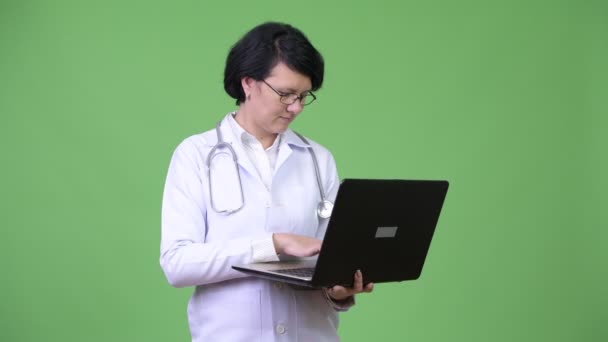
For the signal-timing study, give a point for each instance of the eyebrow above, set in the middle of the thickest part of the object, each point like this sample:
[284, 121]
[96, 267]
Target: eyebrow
[293, 91]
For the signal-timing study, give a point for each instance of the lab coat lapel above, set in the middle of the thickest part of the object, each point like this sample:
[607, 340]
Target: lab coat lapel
[284, 153]
[289, 138]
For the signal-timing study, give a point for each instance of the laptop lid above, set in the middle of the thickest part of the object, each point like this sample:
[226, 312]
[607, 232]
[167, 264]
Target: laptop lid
[382, 227]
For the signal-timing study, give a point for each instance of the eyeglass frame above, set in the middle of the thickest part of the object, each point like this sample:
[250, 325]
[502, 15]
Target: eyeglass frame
[296, 98]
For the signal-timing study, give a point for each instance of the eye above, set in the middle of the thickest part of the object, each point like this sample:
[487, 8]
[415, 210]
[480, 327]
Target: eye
[290, 96]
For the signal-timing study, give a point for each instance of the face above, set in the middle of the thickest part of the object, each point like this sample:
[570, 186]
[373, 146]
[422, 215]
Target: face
[263, 114]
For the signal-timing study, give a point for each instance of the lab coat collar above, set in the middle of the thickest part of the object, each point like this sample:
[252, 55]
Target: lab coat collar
[289, 139]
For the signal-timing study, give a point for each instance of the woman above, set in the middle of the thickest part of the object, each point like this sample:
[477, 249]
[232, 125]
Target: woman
[218, 211]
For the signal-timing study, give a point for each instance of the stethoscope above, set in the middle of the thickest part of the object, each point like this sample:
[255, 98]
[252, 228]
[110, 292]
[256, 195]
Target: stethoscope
[324, 208]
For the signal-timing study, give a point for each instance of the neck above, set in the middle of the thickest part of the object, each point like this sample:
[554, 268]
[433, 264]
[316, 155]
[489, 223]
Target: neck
[245, 121]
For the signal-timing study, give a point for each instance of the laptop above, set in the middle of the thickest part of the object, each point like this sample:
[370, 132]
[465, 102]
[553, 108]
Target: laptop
[381, 227]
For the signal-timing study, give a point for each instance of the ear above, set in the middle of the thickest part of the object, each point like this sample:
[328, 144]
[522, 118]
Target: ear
[247, 83]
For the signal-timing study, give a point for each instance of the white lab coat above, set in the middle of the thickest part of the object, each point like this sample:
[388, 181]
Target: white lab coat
[199, 246]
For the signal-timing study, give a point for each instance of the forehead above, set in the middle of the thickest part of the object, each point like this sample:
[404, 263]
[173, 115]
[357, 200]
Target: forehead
[289, 80]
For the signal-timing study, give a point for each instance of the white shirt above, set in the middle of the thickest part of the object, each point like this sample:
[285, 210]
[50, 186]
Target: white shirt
[199, 245]
[264, 160]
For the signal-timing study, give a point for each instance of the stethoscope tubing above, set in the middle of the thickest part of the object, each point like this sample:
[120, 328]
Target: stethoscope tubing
[324, 207]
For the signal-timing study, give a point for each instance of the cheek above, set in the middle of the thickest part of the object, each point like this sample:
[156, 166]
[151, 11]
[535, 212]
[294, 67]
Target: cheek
[272, 110]
[266, 105]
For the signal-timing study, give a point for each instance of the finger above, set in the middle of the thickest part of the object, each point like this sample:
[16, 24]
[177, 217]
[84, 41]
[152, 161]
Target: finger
[369, 287]
[315, 248]
[358, 284]
[313, 251]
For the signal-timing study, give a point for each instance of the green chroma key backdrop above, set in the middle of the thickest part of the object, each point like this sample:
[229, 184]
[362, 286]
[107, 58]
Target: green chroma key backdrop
[505, 99]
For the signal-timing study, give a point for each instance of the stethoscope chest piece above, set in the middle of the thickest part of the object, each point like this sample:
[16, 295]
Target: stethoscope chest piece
[324, 209]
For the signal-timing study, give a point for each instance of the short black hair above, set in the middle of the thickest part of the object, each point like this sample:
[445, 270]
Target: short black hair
[262, 48]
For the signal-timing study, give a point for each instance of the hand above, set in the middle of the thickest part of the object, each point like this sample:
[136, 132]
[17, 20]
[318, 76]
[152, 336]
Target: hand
[296, 245]
[340, 292]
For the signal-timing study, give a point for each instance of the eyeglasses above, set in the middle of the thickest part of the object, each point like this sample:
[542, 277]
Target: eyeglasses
[291, 98]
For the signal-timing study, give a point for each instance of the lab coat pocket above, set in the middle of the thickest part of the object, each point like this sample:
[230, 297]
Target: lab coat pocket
[316, 315]
[229, 315]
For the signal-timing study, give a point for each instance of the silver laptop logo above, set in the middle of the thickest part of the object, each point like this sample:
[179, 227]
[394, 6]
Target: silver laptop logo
[386, 232]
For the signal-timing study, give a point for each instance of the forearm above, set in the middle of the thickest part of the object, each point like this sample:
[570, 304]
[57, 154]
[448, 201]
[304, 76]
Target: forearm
[187, 263]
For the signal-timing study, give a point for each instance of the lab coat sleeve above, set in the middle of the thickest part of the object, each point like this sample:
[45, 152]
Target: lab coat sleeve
[186, 258]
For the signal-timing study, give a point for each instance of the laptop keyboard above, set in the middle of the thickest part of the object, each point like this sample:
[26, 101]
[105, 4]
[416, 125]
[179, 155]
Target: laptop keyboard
[298, 272]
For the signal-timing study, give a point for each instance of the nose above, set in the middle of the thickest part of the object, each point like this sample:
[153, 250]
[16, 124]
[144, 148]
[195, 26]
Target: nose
[295, 107]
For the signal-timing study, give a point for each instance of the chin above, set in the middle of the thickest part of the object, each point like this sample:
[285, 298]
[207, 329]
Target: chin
[281, 127]
[281, 130]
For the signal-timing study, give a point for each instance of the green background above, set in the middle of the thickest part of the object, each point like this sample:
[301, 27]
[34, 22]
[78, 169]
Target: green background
[505, 99]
